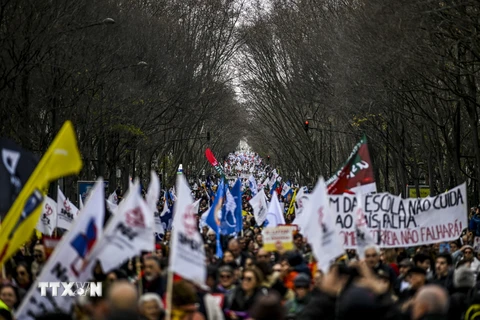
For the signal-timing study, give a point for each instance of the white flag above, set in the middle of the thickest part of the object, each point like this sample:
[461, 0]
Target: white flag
[321, 230]
[66, 211]
[253, 185]
[363, 236]
[69, 259]
[301, 200]
[112, 207]
[48, 219]
[259, 206]
[152, 198]
[113, 198]
[127, 234]
[187, 257]
[285, 189]
[275, 212]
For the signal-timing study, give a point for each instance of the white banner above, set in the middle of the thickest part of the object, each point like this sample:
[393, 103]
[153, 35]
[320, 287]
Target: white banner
[48, 219]
[187, 258]
[69, 261]
[66, 211]
[152, 198]
[395, 222]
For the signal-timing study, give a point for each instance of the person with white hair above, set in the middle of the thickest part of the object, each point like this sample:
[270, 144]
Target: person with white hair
[372, 259]
[151, 306]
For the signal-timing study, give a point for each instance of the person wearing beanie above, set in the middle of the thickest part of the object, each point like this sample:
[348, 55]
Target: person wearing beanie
[302, 286]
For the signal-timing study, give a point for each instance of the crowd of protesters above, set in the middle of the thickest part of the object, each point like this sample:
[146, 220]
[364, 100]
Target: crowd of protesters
[438, 281]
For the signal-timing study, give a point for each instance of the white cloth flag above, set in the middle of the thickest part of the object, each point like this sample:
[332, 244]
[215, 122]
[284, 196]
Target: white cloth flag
[68, 260]
[48, 219]
[285, 189]
[127, 234]
[301, 200]
[275, 212]
[259, 206]
[321, 231]
[66, 211]
[362, 235]
[113, 198]
[112, 207]
[152, 198]
[253, 185]
[187, 257]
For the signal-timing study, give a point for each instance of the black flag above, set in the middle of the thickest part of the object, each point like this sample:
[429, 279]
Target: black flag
[16, 166]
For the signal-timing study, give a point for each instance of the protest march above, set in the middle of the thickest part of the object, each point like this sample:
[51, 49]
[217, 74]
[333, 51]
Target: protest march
[242, 242]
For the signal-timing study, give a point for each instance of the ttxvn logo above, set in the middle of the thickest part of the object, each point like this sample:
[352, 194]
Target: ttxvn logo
[70, 289]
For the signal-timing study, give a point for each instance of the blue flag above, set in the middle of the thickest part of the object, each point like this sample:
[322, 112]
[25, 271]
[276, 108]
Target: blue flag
[231, 220]
[212, 220]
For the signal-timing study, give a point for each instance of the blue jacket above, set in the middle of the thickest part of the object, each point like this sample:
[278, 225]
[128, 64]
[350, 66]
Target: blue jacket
[474, 225]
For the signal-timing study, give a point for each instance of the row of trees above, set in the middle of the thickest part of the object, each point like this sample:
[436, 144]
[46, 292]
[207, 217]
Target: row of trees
[145, 83]
[406, 73]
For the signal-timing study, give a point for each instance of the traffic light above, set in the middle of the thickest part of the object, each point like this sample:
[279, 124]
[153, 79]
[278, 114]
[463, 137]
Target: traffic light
[305, 126]
[208, 135]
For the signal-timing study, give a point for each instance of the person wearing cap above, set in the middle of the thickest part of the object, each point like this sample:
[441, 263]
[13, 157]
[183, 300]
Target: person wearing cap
[417, 278]
[401, 284]
[302, 285]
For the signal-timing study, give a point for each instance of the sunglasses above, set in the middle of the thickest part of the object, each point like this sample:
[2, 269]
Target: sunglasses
[248, 279]
[225, 276]
[468, 252]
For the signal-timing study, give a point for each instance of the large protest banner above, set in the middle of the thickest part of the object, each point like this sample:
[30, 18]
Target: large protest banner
[395, 222]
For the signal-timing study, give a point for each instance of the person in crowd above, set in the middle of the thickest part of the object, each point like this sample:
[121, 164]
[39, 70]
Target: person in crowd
[153, 280]
[242, 298]
[474, 223]
[372, 259]
[184, 302]
[151, 307]
[443, 272]
[417, 278]
[302, 288]
[226, 281]
[5, 313]
[401, 283]
[238, 255]
[39, 260]
[9, 295]
[463, 282]
[269, 307]
[264, 256]
[431, 302]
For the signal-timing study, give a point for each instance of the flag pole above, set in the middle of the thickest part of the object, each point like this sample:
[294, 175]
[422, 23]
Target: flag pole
[139, 273]
[169, 294]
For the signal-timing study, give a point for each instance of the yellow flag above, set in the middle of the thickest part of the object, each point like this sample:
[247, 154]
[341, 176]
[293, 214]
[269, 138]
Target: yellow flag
[61, 159]
[291, 207]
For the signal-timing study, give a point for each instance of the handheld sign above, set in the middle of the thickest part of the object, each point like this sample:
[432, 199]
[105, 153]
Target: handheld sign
[279, 235]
